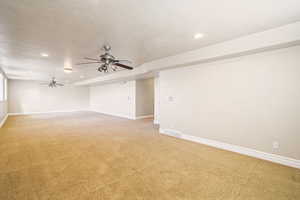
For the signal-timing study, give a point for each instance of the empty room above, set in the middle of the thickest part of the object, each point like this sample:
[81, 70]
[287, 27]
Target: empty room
[142, 100]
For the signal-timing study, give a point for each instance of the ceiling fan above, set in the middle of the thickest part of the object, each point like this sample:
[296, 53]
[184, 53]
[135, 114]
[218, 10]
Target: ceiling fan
[107, 61]
[53, 83]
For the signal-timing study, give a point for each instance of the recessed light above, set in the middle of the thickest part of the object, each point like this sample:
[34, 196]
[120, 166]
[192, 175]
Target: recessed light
[68, 70]
[44, 55]
[198, 35]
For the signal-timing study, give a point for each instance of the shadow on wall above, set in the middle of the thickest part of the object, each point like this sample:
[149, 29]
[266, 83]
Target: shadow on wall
[145, 97]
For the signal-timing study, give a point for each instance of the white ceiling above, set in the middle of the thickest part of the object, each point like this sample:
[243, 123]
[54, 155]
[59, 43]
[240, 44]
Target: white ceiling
[138, 30]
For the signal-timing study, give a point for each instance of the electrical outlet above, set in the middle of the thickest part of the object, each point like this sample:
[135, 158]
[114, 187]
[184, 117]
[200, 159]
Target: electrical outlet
[275, 145]
[170, 98]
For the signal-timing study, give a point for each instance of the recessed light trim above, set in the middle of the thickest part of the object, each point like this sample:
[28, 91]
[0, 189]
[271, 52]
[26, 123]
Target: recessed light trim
[44, 55]
[68, 70]
[198, 35]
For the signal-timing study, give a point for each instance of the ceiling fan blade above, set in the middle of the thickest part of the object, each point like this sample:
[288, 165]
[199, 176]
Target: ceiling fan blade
[59, 84]
[44, 83]
[91, 59]
[124, 66]
[87, 63]
[124, 61]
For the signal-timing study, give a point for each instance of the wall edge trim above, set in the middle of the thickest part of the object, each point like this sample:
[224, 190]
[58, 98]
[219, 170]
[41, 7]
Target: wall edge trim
[144, 116]
[114, 114]
[155, 121]
[3, 120]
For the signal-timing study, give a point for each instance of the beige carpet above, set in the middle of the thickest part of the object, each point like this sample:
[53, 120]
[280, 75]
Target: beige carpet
[91, 156]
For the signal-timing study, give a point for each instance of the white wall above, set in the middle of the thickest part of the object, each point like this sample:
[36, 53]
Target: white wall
[114, 99]
[156, 100]
[30, 96]
[3, 109]
[3, 104]
[250, 101]
[144, 97]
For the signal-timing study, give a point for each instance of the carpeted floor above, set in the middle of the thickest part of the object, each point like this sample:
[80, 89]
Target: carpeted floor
[90, 156]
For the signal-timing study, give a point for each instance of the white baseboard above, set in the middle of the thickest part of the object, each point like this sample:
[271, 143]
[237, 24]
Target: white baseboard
[144, 117]
[123, 116]
[3, 121]
[46, 112]
[238, 149]
[114, 114]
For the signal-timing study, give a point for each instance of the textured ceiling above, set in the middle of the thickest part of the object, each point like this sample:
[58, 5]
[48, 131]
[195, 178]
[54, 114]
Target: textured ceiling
[138, 30]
